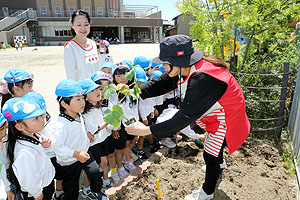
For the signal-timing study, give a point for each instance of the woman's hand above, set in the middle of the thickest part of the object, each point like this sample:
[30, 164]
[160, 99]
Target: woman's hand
[139, 130]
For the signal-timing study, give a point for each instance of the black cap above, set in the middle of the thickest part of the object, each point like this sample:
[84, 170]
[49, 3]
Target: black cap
[178, 50]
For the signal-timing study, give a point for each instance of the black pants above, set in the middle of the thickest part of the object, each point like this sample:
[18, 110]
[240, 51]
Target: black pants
[213, 170]
[71, 176]
[47, 193]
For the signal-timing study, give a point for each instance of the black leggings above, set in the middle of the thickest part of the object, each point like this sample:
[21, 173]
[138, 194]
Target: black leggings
[213, 170]
[47, 193]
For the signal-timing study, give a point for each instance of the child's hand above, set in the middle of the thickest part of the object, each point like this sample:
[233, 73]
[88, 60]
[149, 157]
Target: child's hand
[156, 112]
[81, 156]
[152, 115]
[10, 195]
[91, 137]
[46, 142]
[40, 197]
[115, 134]
[145, 122]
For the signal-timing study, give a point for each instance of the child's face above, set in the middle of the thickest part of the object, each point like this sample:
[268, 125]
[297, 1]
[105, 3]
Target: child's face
[77, 104]
[121, 79]
[35, 124]
[27, 87]
[103, 48]
[107, 70]
[2, 133]
[94, 96]
[104, 83]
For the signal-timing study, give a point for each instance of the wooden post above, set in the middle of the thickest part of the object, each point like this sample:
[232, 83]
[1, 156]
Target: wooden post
[284, 84]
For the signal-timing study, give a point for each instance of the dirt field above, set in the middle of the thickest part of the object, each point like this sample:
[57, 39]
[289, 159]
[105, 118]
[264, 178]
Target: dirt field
[254, 172]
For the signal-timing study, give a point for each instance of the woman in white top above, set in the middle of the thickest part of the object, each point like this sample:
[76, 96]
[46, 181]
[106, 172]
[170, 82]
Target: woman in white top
[80, 54]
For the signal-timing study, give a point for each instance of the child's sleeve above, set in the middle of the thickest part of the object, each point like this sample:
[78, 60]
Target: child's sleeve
[3, 177]
[28, 174]
[60, 149]
[70, 62]
[90, 124]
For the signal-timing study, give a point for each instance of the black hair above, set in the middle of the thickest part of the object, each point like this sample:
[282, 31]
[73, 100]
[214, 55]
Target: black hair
[122, 70]
[67, 100]
[100, 81]
[79, 13]
[6, 97]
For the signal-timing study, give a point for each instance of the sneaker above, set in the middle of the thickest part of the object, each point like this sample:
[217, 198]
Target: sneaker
[168, 142]
[222, 166]
[129, 166]
[89, 195]
[115, 177]
[141, 155]
[101, 196]
[122, 173]
[133, 156]
[199, 195]
[177, 137]
[61, 196]
[154, 147]
[106, 184]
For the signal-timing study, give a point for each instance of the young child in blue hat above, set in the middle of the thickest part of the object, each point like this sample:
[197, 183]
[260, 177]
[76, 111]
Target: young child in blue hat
[25, 149]
[152, 67]
[72, 144]
[142, 61]
[103, 52]
[93, 116]
[107, 67]
[18, 83]
[129, 63]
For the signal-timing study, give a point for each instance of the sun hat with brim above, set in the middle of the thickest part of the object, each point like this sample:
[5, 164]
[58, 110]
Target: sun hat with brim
[2, 119]
[37, 98]
[118, 65]
[68, 88]
[178, 51]
[88, 85]
[161, 68]
[155, 74]
[21, 108]
[99, 75]
[17, 75]
[129, 63]
[140, 74]
[141, 61]
[107, 65]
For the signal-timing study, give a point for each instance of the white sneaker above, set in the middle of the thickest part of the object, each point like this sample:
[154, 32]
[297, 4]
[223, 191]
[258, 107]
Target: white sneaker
[122, 173]
[106, 184]
[199, 195]
[222, 166]
[168, 142]
[129, 166]
[115, 177]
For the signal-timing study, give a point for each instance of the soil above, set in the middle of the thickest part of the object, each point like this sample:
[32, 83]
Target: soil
[255, 171]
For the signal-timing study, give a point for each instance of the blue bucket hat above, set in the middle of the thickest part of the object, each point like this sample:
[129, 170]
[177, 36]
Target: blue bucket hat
[107, 65]
[21, 108]
[155, 74]
[129, 63]
[140, 74]
[161, 68]
[141, 61]
[17, 75]
[88, 85]
[2, 119]
[37, 98]
[99, 75]
[68, 88]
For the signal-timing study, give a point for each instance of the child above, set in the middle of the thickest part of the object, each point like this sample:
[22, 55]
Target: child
[142, 61]
[30, 167]
[72, 144]
[103, 53]
[123, 141]
[104, 80]
[49, 132]
[18, 83]
[4, 183]
[152, 67]
[107, 68]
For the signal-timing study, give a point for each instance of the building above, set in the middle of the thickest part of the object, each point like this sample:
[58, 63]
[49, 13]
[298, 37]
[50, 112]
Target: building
[181, 25]
[46, 22]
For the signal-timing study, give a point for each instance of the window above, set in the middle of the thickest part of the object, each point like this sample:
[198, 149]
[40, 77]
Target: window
[5, 11]
[43, 11]
[57, 11]
[99, 12]
[143, 35]
[127, 32]
[86, 9]
[71, 10]
[62, 32]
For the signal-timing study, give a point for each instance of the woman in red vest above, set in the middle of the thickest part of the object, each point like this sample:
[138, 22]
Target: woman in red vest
[210, 96]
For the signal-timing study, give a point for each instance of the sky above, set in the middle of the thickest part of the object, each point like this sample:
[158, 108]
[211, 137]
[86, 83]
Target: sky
[166, 6]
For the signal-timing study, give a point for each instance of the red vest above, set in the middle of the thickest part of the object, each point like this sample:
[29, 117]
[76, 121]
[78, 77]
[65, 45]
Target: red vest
[233, 102]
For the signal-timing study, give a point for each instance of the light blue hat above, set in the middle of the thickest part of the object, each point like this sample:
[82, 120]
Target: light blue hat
[17, 75]
[99, 75]
[140, 74]
[160, 68]
[2, 119]
[37, 98]
[107, 65]
[141, 61]
[68, 88]
[129, 63]
[88, 85]
[155, 74]
[21, 108]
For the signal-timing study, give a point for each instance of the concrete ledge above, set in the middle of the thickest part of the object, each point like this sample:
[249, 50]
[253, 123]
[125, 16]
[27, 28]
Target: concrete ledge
[134, 175]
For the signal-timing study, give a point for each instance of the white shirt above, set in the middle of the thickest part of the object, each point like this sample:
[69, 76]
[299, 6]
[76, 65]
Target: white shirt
[159, 100]
[71, 137]
[4, 184]
[80, 63]
[103, 58]
[146, 106]
[130, 110]
[32, 167]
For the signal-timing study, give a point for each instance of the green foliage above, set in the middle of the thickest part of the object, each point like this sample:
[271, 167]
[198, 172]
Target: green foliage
[109, 90]
[114, 116]
[129, 75]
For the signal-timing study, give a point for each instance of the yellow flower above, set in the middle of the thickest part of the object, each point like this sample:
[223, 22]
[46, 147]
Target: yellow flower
[118, 86]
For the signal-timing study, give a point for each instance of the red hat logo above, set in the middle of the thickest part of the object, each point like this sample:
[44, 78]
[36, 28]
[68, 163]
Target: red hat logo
[180, 53]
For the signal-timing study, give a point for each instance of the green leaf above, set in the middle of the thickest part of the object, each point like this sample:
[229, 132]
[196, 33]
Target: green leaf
[136, 90]
[109, 90]
[125, 91]
[114, 116]
[130, 74]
